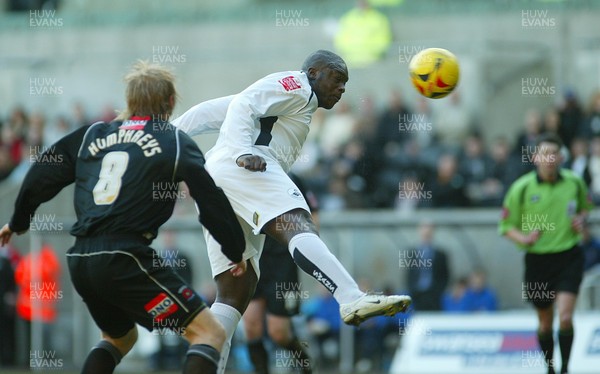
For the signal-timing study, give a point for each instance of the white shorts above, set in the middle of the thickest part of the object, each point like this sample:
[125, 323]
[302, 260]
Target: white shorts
[257, 198]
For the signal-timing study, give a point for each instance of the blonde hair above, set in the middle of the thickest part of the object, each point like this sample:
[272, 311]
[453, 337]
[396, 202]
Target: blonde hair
[149, 91]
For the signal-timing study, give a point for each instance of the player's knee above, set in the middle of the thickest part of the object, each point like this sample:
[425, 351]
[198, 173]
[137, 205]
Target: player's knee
[280, 335]
[565, 321]
[124, 343]
[253, 330]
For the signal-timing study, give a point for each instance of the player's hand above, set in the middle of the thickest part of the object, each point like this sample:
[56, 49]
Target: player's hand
[252, 163]
[5, 234]
[532, 237]
[239, 269]
[578, 223]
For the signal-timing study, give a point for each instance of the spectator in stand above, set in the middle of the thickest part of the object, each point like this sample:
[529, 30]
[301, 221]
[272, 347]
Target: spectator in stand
[447, 186]
[342, 177]
[453, 123]
[409, 197]
[56, 130]
[590, 245]
[423, 116]
[337, 130]
[13, 141]
[579, 160]
[480, 297]
[552, 123]
[34, 136]
[6, 163]
[506, 167]
[323, 321]
[454, 301]
[527, 139]
[591, 124]
[571, 116]
[428, 271]
[388, 122]
[364, 35]
[37, 276]
[475, 166]
[404, 161]
[79, 116]
[594, 169]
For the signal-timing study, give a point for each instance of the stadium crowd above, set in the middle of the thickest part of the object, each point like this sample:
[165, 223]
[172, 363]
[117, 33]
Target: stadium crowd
[399, 156]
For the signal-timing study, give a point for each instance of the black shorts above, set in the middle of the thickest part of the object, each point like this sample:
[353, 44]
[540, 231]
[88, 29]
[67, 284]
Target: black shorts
[123, 282]
[278, 283]
[547, 274]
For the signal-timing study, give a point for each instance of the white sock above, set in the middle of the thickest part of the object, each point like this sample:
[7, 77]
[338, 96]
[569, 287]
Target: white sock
[229, 318]
[314, 258]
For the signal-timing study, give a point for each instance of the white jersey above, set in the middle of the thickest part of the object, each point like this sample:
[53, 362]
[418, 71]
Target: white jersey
[270, 118]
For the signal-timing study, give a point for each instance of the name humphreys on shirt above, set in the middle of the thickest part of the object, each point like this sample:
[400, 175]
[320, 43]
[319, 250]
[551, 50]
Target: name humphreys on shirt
[147, 142]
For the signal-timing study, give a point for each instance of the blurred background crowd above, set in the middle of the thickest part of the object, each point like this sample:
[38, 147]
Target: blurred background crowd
[396, 155]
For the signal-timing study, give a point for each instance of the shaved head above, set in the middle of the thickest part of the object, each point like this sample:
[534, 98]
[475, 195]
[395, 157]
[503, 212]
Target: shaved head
[323, 58]
[327, 75]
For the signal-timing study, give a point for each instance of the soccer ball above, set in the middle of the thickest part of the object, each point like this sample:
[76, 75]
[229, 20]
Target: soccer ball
[434, 72]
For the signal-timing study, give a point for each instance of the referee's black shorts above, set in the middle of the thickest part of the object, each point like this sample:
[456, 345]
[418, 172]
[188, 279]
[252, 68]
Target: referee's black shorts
[123, 282]
[547, 274]
[278, 283]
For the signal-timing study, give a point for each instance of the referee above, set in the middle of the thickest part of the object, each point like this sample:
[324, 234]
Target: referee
[543, 213]
[126, 175]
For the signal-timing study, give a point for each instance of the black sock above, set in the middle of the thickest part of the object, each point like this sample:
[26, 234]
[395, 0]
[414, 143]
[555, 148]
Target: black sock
[565, 341]
[102, 359]
[547, 346]
[201, 358]
[259, 356]
[299, 351]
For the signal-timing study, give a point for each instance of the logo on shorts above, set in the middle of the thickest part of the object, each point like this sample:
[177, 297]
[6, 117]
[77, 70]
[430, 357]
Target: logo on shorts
[161, 307]
[255, 218]
[293, 192]
[186, 292]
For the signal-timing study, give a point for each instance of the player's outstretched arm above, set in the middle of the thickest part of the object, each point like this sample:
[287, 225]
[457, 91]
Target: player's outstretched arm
[204, 118]
[216, 213]
[53, 170]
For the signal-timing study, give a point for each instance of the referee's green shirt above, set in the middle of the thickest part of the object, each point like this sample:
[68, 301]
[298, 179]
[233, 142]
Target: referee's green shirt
[531, 204]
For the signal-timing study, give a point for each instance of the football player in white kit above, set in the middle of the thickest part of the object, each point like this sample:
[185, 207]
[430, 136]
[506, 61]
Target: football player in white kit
[262, 130]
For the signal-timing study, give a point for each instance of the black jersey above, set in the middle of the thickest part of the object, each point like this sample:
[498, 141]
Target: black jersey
[126, 178]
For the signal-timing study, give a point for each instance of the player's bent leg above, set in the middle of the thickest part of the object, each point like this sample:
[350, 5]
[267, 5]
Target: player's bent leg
[545, 315]
[206, 337]
[565, 303]
[107, 354]
[279, 329]
[233, 296]
[314, 258]
[254, 327]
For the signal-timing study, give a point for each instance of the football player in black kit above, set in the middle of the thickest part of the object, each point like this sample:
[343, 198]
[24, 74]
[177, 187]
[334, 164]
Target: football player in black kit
[116, 167]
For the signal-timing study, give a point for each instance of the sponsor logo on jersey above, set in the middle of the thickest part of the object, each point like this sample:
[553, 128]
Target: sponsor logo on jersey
[290, 83]
[133, 125]
[535, 198]
[161, 307]
[186, 292]
[293, 192]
